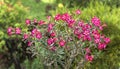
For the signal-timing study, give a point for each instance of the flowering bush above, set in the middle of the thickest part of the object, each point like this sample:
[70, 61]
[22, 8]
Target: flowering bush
[59, 41]
[10, 15]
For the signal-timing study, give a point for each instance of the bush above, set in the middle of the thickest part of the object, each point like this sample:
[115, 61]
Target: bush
[111, 17]
[10, 15]
[64, 41]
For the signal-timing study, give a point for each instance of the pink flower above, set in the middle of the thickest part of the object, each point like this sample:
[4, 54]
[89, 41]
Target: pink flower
[96, 21]
[95, 31]
[35, 21]
[55, 39]
[53, 34]
[97, 41]
[79, 36]
[89, 38]
[102, 36]
[41, 22]
[89, 57]
[101, 28]
[38, 35]
[86, 32]
[48, 17]
[29, 43]
[33, 31]
[70, 22]
[86, 37]
[50, 27]
[87, 50]
[58, 17]
[107, 40]
[17, 31]
[62, 43]
[65, 16]
[53, 48]
[27, 21]
[9, 31]
[96, 36]
[101, 46]
[25, 36]
[78, 12]
[88, 26]
[80, 23]
[50, 41]
[76, 31]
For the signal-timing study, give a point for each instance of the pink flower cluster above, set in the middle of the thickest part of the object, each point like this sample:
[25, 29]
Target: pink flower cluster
[34, 33]
[88, 55]
[85, 32]
[11, 31]
[96, 21]
[53, 39]
[65, 17]
[35, 21]
[78, 12]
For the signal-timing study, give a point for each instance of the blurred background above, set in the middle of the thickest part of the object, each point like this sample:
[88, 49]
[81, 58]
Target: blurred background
[13, 13]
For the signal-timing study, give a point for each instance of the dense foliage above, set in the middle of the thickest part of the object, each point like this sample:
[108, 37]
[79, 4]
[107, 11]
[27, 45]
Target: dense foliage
[10, 48]
[10, 15]
[65, 41]
[108, 12]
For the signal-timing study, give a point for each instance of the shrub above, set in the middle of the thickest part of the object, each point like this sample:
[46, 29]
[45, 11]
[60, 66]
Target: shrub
[10, 15]
[65, 41]
[110, 15]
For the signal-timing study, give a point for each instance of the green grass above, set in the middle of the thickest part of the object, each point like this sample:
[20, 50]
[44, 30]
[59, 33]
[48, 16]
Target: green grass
[36, 9]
